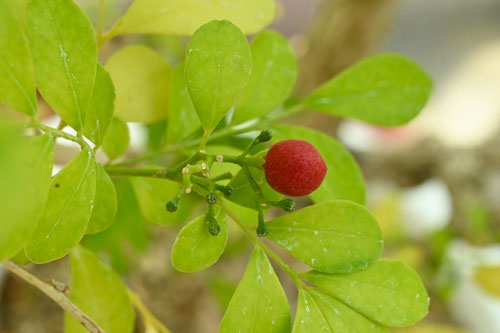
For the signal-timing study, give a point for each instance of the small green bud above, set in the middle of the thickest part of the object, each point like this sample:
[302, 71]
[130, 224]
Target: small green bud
[211, 198]
[214, 229]
[288, 205]
[228, 190]
[172, 205]
[264, 136]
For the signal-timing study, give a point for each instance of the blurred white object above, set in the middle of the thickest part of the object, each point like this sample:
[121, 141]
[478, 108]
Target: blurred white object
[464, 110]
[426, 208]
[470, 305]
[362, 137]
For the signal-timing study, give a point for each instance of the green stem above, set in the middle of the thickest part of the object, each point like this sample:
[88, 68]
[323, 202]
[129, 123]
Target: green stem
[264, 123]
[140, 172]
[204, 140]
[100, 22]
[60, 134]
[258, 242]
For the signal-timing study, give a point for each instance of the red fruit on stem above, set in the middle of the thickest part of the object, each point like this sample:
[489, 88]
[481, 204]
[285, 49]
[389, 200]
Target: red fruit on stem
[294, 168]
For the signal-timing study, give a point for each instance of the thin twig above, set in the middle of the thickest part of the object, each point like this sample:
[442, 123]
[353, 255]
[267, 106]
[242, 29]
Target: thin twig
[149, 319]
[53, 290]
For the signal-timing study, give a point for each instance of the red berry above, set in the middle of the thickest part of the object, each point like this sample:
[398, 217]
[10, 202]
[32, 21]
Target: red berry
[294, 168]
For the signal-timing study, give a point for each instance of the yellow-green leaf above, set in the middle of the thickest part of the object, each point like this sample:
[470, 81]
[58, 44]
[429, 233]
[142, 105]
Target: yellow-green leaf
[195, 248]
[387, 90]
[183, 17]
[153, 195]
[388, 292]
[218, 65]
[104, 210]
[332, 237]
[141, 78]
[274, 71]
[319, 313]
[103, 104]
[67, 212]
[25, 170]
[17, 79]
[116, 140]
[99, 292]
[259, 303]
[182, 117]
[64, 50]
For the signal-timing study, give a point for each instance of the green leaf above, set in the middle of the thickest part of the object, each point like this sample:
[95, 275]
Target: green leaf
[274, 72]
[318, 313]
[259, 303]
[64, 50]
[141, 77]
[153, 195]
[127, 236]
[116, 140]
[24, 185]
[182, 117]
[218, 65]
[17, 78]
[67, 212]
[332, 237]
[104, 210]
[195, 248]
[183, 17]
[388, 292]
[487, 277]
[103, 104]
[99, 292]
[344, 180]
[386, 90]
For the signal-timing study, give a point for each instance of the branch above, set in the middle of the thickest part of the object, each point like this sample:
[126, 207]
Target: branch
[150, 321]
[56, 292]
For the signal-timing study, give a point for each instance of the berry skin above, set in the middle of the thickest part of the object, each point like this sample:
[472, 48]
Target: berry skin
[294, 168]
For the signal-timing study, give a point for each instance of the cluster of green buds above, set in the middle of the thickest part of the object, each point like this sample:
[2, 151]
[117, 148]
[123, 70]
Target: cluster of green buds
[196, 177]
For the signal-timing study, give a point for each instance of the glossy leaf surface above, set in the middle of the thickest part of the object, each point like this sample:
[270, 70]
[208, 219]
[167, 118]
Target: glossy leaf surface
[388, 292]
[25, 170]
[17, 78]
[386, 90]
[67, 212]
[217, 67]
[259, 303]
[318, 312]
[332, 237]
[195, 248]
[64, 50]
